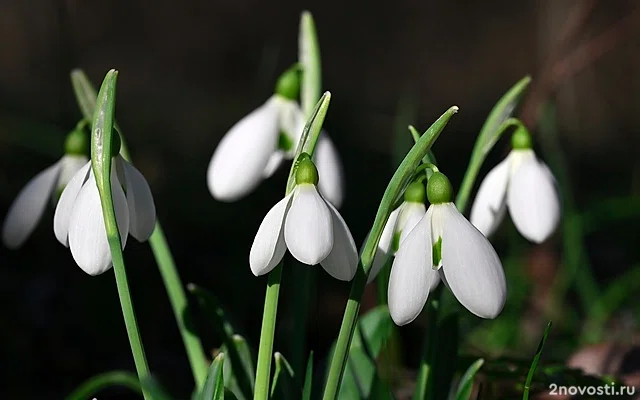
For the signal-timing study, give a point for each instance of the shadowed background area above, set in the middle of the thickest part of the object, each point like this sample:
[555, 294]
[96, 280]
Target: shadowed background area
[189, 70]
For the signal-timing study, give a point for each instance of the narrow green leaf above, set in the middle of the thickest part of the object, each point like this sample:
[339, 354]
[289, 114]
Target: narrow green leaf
[85, 93]
[223, 327]
[214, 385]
[398, 183]
[489, 134]
[154, 389]
[429, 157]
[308, 379]
[466, 382]
[93, 385]
[534, 363]
[309, 60]
[283, 386]
[309, 137]
[245, 367]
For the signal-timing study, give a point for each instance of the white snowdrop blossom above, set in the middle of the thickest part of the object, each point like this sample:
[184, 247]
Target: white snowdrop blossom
[27, 209]
[78, 221]
[309, 226]
[254, 148]
[523, 185]
[443, 243]
[401, 221]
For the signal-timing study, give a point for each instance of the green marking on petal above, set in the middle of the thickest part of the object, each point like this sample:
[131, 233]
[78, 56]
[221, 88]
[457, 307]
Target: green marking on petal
[437, 254]
[284, 142]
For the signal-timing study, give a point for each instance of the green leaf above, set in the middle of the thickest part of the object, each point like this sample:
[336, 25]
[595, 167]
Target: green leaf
[86, 94]
[211, 306]
[105, 380]
[309, 60]
[489, 134]
[398, 183]
[534, 363]
[466, 382]
[246, 367]
[214, 385]
[154, 389]
[309, 137]
[284, 385]
[373, 331]
[308, 379]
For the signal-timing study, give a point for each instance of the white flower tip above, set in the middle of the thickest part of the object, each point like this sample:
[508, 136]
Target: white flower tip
[402, 315]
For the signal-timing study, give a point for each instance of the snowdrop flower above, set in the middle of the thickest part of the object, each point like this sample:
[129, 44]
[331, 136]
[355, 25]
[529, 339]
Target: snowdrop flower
[28, 208]
[443, 242]
[254, 148]
[309, 226]
[523, 185]
[78, 222]
[401, 221]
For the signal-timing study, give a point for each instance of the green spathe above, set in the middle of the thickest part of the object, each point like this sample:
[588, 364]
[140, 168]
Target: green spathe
[439, 189]
[307, 171]
[521, 140]
[415, 193]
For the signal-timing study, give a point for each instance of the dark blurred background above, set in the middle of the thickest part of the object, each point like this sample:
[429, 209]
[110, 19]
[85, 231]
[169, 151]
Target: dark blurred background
[189, 70]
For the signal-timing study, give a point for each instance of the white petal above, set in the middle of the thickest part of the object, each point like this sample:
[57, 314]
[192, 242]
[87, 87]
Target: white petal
[409, 217]
[238, 163]
[70, 165]
[489, 205]
[87, 234]
[28, 207]
[327, 161]
[308, 228]
[471, 267]
[342, 261]
[66, 204]
[384, 250]
[142, 210]
[291, 122]
[411, 274]
[268, 247]
[272, 165]
[533, 200]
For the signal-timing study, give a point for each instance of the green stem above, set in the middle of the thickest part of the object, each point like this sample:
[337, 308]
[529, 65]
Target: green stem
[267, 333]
[142, 368]
[339, 359]
[429, 347]
[87, 99]
[179, 304]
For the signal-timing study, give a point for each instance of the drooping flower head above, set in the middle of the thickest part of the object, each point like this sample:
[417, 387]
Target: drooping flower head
[523, 185]
[401, 221]
[78, 221]
[309, 226]
[443, 242]
[256, 146]
[27, 209]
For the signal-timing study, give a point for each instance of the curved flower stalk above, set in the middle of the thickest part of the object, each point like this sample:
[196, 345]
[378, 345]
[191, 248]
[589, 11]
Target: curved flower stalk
[27, 209]
[309, 226]
[523, 185]
[255, 147]
[78, 222]
[444, 243]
